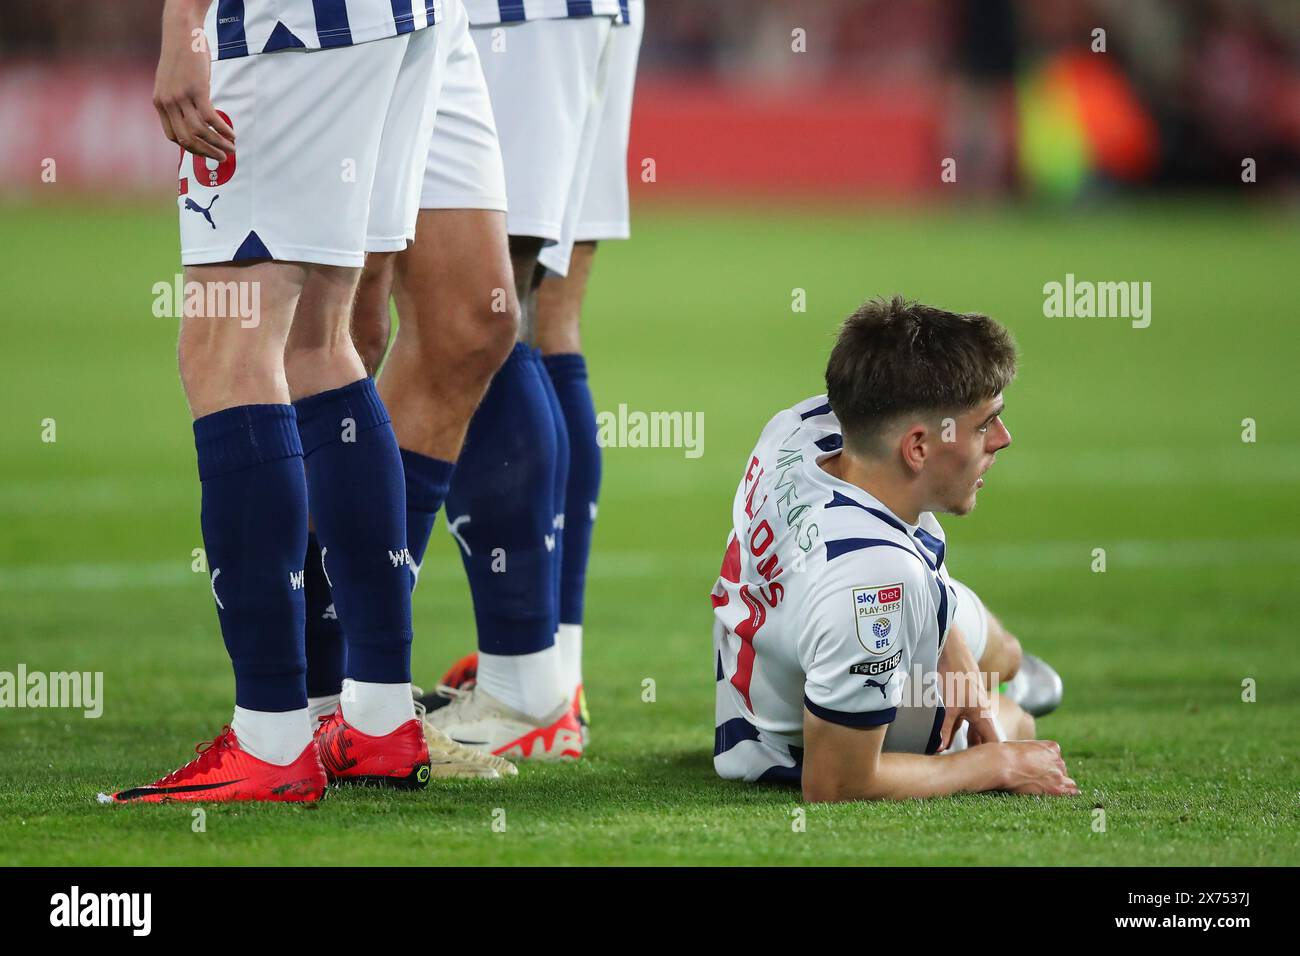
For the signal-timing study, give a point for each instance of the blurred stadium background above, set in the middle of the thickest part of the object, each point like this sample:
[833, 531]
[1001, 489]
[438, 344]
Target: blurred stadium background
[881, 88]
[774, 171]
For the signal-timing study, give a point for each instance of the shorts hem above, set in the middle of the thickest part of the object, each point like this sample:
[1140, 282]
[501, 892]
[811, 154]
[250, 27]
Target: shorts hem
[548, 231]
[598, 231]
[387, 243]
[324, 257]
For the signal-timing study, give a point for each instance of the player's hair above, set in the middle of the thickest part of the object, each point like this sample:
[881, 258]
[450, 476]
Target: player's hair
[896, 358]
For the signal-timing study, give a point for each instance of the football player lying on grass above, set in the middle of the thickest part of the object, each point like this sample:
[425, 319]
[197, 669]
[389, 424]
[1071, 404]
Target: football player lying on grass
[838, 634]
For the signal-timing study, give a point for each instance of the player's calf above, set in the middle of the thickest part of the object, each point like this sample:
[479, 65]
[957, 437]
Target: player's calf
[371, 319]
[1002, 655]
[1013, 720]
[319, 354]
[230, 356]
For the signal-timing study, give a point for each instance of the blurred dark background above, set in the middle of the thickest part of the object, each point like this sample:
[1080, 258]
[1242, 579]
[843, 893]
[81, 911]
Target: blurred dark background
[869, 100]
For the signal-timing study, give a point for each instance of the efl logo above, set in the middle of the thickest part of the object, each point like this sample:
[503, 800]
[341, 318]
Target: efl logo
[876, 632]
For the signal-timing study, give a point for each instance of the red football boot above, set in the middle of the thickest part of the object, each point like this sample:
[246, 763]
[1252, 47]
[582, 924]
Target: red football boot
[399, 759]
[223, 771]
[464, 671]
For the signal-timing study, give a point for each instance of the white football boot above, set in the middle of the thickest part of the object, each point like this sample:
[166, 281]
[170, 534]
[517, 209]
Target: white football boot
[1036, 687]
[448, 759]
[476, 720]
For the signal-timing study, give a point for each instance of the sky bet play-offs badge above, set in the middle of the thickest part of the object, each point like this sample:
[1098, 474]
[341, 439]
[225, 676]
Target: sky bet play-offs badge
[877, 611]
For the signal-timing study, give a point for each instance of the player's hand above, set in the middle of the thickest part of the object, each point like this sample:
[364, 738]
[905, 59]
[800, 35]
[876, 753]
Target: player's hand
[1036, 767]
[964, 693]
[978, 718]
[181, 85]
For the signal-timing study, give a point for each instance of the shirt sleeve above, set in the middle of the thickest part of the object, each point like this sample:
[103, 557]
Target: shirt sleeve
[863, 626]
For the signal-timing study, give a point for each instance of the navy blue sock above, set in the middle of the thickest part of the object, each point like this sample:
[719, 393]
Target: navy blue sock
[358, 502]
[326, 651]
[561, 483]
[254, 524]
[427, 480]
[501, 507]
[568, 373]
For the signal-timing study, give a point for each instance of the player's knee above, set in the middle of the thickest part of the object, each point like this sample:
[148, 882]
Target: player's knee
[371, 322]
[1012, 654]
[215, 376]
[486, 333]
[370, 338]
[1002, 653]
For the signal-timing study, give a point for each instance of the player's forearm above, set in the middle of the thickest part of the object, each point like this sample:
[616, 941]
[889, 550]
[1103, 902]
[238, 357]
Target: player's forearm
[956, 656]
[181, 17]
[908, 776]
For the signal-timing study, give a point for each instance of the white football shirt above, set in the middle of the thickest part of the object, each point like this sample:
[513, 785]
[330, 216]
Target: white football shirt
[243, 27]
[826, 601]
[486, 12]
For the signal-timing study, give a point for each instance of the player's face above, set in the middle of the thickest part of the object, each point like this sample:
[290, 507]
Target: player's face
[976, 436]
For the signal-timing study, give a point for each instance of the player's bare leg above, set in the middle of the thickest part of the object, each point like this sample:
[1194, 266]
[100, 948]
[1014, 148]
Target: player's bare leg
[319, 354]
[225, 361]
[459, 309]
[459, 314]
[232, 372]
[372, 323]
[552, 310]
[1014, 721]
[1002, 655]
[456, 292]
[374, 735]
[559, 304]
[1029, 680]
[519, 705]
[528, 277]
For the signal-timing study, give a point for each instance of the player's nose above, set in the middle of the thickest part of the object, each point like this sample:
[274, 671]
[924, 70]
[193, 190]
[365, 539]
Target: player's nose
[1001, 436]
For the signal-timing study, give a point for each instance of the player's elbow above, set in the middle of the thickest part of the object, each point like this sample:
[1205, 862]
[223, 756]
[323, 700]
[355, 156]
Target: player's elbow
[819, 791]
[836, 788]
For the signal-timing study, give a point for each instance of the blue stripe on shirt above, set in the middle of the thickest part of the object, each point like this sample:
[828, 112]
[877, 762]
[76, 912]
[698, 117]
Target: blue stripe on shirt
[870, 718]
[231, 40]
[332, 25]
[511, 11]
[841, 546]
[403, 18]
[830, 443]
[579, 8]
[932, 544]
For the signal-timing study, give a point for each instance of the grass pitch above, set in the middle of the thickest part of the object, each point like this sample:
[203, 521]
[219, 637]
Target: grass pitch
[1129, 440]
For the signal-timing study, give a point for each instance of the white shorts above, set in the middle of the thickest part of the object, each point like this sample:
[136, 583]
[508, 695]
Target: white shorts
[604, 210]
[326, 154]
[972, 617]
[547, 83]
[464, 168]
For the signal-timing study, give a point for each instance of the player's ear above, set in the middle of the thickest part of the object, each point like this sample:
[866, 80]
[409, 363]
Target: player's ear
[914, 447]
